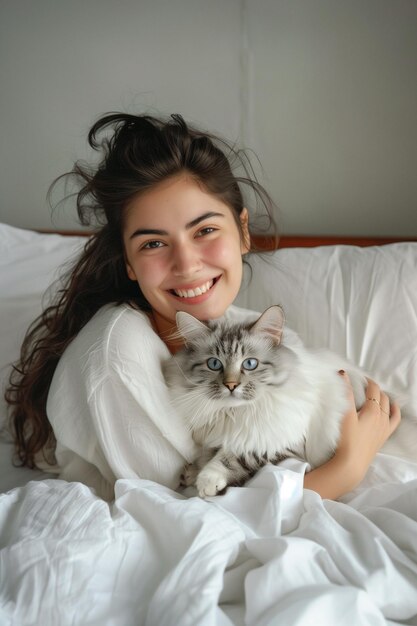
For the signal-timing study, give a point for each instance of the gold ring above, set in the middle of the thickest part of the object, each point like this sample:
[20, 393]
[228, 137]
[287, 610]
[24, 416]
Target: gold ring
[379, 404]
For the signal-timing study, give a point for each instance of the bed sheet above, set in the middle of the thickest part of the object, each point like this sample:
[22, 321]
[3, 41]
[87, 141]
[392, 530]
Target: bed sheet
[265, 554]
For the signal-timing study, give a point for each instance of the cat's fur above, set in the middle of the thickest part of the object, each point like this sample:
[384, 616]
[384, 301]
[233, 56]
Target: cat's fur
[290, 404]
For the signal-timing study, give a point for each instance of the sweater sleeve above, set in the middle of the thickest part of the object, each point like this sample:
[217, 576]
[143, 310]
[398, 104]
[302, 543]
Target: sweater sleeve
[109, 405]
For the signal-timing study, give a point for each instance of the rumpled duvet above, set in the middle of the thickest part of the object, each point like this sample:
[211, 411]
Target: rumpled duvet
[264, 554]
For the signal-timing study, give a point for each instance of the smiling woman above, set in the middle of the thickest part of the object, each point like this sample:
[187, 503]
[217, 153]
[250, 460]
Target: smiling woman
[88, 396]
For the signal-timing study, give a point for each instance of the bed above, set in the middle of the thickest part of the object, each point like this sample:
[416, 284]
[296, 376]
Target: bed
[264, 554]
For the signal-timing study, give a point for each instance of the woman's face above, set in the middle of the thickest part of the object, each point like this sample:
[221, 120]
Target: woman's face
[183, 247]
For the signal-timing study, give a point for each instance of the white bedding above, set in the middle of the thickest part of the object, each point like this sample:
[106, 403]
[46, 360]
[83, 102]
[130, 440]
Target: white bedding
[264, 554]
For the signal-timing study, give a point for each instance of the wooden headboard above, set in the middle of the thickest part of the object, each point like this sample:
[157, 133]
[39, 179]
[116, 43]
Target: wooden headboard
[265, 242]
[310, 241]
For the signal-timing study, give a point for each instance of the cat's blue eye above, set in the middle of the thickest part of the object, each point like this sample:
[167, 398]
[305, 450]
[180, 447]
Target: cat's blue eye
[250, 364]
[214, 364]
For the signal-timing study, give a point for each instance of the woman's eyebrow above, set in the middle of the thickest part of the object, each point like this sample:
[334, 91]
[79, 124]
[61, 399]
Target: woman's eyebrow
[206, 216]
[194, 222]
[147, 231]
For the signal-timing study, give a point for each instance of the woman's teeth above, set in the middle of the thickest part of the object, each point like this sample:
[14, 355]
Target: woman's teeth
[192, 293]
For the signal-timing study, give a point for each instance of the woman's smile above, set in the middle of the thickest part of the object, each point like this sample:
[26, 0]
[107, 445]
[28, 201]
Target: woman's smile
[191, 292]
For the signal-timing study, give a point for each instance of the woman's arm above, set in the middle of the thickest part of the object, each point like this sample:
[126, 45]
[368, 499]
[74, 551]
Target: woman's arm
[363, 434]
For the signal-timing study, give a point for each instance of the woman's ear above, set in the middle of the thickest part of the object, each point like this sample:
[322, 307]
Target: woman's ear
[244, 222]
[130, 273]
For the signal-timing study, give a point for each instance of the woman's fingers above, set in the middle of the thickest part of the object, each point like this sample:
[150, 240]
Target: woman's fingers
[373, 392]
[384, 403]
[376, 419]
[387, 409]
[395, 417]
[378, 409]
[365, 431]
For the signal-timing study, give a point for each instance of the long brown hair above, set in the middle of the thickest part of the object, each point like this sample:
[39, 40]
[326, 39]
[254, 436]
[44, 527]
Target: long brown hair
[141, 152]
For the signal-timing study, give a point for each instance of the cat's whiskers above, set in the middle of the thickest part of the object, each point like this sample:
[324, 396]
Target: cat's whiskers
[192, 382]
[206, 408]
[196, 400]
[202, 409]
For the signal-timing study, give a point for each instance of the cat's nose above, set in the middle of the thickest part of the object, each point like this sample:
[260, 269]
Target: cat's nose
[231, 385]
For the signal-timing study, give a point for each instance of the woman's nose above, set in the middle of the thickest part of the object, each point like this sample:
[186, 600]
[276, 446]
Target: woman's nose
[186, 260]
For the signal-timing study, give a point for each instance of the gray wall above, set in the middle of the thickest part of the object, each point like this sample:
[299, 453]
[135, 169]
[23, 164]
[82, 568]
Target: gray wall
[324, 91]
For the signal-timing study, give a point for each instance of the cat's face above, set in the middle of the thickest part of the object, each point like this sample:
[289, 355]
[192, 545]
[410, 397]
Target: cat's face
[231, 365]
[232, 368]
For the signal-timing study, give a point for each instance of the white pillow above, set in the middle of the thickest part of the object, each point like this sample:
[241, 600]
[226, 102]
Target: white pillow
[358, 302]
[29, 263]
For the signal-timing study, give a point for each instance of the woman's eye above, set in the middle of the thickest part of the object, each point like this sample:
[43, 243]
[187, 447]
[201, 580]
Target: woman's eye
[206, 231]
[214, 364]
[250, 364]
[152, 245]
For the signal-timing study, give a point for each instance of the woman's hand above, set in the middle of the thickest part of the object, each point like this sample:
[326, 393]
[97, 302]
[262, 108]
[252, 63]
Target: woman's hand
[363, 433]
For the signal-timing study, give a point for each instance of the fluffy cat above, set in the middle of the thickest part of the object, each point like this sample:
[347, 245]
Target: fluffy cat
[252, 395]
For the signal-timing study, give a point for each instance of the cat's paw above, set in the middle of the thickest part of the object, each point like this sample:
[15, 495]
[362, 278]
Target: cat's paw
[210, 483]
[188, 475]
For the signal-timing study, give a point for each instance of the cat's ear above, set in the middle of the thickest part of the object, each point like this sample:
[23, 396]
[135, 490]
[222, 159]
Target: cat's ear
[190, 328]
[271, 323]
